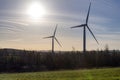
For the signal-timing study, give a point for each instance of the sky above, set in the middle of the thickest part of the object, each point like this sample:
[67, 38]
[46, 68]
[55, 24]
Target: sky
[19, 30]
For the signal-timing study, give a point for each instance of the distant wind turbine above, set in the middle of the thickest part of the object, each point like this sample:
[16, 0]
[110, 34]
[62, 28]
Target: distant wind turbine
[54, 38]
[84, 30]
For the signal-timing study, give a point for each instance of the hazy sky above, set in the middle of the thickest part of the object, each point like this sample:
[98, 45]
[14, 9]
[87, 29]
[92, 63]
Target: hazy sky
[19, 30]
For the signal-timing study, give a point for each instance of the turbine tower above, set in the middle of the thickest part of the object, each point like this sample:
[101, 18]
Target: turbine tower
[84, 30]
[53, 37]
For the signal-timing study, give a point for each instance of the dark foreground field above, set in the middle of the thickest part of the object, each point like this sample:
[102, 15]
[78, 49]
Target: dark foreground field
[90, 74]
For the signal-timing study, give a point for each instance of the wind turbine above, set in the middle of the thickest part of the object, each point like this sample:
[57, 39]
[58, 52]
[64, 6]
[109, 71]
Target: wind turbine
[54, 38]
[84, 30]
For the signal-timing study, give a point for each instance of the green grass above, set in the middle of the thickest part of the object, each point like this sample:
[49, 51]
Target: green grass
[90, 74]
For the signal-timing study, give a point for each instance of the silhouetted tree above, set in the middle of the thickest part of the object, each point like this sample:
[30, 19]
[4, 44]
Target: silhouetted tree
[12, 60]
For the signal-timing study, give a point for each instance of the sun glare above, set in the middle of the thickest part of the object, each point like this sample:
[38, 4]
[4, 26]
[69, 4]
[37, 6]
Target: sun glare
[36, 10]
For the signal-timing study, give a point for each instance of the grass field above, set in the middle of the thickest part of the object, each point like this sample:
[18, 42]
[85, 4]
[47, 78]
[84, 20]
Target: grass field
[90, 74]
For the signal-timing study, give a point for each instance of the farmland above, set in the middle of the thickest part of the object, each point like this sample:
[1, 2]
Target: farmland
[85, 74]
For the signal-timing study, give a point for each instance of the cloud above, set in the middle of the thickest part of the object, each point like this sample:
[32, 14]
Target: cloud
[14, 22]
[15, 40]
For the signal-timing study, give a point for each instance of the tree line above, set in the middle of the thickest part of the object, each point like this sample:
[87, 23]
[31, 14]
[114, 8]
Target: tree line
[12, 60]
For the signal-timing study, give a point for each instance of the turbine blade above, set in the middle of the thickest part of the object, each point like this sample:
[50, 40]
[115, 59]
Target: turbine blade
[78, 26]
[48, 37]
[92, 34]
[55, 30]
[58, 42]
[88, 13]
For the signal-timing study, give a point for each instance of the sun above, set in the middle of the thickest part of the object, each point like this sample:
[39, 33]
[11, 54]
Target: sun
[36, 10]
